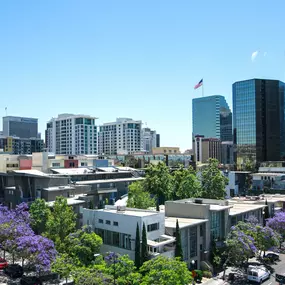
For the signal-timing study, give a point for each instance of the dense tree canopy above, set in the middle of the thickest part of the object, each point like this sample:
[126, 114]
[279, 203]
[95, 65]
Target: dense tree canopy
[213, 182]
[165, 271]
[82, 245]
[277, 223]
[138, 197]
[62, 221]
[158, 181]
[40, 214]
[186, 183]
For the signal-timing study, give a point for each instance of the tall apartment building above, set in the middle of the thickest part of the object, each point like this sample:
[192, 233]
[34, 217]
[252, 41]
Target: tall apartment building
[20, 127]
[72, 134]
[258, 121]
[212, 117]
[205, 148]
[149, 139]
[121, 137]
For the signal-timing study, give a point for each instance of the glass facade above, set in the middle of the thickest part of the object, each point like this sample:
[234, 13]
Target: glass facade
[212, 117]
[244, 120]
[258, 121]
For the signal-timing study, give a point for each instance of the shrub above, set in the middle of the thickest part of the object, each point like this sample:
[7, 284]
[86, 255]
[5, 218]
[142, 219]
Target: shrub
[207, 274]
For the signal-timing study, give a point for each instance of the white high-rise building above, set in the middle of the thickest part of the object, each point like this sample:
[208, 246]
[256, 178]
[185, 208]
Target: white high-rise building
[72, 134]
[121, 137]
[149, 140]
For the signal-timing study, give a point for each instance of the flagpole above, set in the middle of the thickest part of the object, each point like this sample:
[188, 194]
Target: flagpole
[203, 88]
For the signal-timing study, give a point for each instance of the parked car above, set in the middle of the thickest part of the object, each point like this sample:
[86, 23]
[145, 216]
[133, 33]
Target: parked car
[257, 274]
[3, 263]
[273, 256]
[14, 270]
[30, 280]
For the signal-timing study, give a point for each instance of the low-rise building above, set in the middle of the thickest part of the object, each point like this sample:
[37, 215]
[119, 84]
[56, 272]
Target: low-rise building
[117, 227]
[163, 150]
[238, 183]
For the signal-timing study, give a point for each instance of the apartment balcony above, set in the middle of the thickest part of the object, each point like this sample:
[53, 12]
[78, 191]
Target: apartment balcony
[164, 245]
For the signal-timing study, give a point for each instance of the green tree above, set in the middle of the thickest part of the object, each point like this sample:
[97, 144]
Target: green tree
[213, 181]
[158, 181]
[186, 183]
[63, 266]
[165, 271]
[144, 253]
[91, 276]
[83, 245]
[138, 197]
[40, 214]
[178, 246]
[138, 248]
[61, 223]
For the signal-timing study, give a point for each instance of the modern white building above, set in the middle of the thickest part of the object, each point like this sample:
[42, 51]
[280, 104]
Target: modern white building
[72, 134]
[117, 227]
[121, 137]
[149, 139]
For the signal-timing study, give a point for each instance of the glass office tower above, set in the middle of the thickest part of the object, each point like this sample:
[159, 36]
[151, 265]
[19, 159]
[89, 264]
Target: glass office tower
[212, 117]
[258, 121]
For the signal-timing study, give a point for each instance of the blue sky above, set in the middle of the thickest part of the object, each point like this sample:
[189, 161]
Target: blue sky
[136, 58]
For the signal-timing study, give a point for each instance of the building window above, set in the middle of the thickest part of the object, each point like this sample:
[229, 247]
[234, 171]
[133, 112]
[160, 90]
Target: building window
[201, 231]
[100, 221]
[115, 223]
[153, 227]
[193, 242]
[108, 222]
[55, 164]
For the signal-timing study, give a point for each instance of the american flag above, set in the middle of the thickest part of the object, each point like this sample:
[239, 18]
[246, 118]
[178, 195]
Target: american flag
[199, 84]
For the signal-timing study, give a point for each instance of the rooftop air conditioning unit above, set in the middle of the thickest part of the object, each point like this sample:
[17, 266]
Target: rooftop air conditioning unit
[198, 201]
[121, 208]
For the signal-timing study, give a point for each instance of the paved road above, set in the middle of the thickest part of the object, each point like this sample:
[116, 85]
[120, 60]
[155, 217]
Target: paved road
[278, 267]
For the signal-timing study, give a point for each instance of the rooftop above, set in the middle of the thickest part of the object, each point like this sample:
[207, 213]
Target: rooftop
[70, 202]
[267, 174]
[170, 222]
[90, 182]
[127, 212]
[243, 208]
[59, 188]
[215, 205]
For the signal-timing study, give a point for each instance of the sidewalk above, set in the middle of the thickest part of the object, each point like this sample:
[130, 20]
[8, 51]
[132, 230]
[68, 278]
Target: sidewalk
[216, 281]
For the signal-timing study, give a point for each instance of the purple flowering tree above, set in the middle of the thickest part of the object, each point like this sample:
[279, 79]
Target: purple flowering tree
[277, 223]
[17, 237]
[39, 251]
[266, 238]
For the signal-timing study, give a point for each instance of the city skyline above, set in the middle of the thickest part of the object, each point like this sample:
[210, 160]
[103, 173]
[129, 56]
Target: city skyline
[107, 60]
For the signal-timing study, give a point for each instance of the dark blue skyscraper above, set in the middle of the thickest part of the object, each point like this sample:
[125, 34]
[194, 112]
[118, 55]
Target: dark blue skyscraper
[212, 117]
[258, 121]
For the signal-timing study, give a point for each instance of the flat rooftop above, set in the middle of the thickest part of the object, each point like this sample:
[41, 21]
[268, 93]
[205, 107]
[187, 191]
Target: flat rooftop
[127, 212]
[70, 202]
[268, 174]
[170, 222]
[59, 188]
[90, 182]
[238, 209]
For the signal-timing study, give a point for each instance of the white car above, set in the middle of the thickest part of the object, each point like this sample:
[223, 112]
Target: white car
[257, 274]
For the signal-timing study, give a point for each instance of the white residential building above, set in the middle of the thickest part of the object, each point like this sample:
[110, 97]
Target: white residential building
[72, 134]
[117, 227]
[121, 137]
[149, 140]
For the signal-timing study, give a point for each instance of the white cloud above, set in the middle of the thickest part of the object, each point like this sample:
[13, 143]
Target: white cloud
[254, 55]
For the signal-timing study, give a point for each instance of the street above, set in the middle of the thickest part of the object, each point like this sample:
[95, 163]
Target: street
[279, 268]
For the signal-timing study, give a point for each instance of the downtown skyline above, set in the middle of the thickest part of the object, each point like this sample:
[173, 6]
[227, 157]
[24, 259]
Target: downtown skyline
[137, 60]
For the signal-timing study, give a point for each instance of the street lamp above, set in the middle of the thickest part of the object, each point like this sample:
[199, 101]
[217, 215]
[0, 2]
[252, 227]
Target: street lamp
[192, 269]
